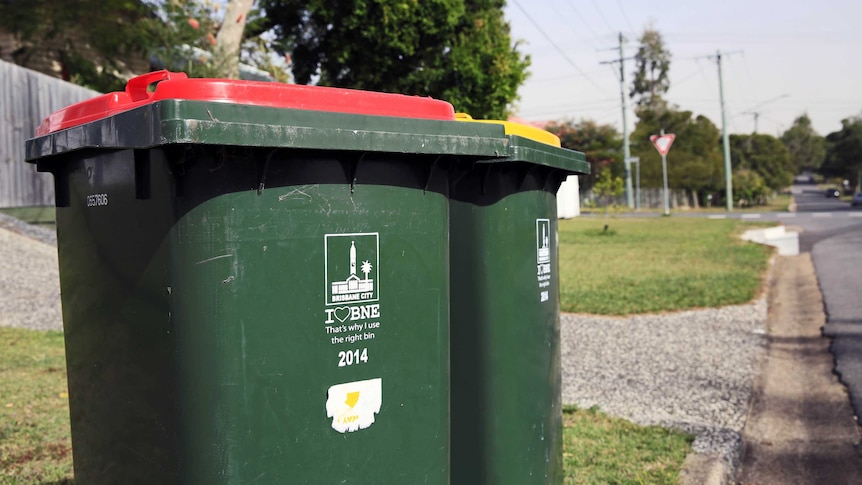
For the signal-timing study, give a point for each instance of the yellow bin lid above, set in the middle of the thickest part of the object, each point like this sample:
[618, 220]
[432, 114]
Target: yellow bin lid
[526, 131]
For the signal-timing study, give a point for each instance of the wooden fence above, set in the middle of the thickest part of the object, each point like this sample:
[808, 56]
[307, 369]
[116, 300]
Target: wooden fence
[27, 97]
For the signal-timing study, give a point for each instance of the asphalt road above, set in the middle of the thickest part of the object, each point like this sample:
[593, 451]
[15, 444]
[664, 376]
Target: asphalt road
[835, 244]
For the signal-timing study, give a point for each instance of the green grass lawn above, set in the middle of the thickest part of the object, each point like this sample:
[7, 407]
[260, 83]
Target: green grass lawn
[43, 216]
[598, 449]
[642, 265]
[35, 440]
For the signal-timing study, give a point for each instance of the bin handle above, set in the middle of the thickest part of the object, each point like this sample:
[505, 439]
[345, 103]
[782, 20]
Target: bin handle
[136, 88]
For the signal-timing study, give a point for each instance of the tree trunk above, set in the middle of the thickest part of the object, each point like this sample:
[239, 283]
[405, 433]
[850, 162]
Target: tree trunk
[229, 37]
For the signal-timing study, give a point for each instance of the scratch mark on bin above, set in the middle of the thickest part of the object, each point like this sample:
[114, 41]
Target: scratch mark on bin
[323, 203]
[214, 258]
[295, 194]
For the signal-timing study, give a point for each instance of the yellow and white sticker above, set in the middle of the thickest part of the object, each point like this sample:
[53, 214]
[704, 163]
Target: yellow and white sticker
[352, 405]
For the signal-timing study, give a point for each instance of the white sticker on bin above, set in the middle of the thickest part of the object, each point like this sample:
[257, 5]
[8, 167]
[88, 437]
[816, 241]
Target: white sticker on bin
[352, 405]
[543, 257]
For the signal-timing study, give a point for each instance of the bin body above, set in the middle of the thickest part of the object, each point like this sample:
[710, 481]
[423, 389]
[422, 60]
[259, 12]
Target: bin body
[255, 294]
[505, 353]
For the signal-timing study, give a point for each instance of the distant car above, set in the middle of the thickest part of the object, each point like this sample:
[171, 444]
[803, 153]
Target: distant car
[857, 199]
[833, 193]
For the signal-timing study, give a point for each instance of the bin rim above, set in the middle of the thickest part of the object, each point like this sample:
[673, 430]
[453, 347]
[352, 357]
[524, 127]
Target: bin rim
[177, 85]
[520, 129]
[183, 122]
[523, 149]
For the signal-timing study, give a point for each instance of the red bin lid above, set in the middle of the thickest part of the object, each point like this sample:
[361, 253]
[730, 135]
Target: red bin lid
[176, 85]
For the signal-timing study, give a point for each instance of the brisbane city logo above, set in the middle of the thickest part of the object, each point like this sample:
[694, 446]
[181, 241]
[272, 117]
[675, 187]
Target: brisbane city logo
[346, 256]
[352, 276]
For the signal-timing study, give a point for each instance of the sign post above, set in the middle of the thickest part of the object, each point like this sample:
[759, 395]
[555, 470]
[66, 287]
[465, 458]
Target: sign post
[637, 161]
[662, 144]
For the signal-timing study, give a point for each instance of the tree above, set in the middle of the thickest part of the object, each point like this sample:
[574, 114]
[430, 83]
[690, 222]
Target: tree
[844, 152]
[102, 43]
[609, 187]
[94, 41]
[230, 35]
[457, 50]
[182, 36]
[600, 143]
[749, 188]
[195, 37]
[807, 148]
[651, 79]
[695, 163]
[764, 155]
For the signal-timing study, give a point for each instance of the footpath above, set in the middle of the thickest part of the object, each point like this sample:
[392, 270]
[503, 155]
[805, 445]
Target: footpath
[800, 427]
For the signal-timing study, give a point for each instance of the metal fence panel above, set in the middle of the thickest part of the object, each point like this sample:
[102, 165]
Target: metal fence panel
[650, 198]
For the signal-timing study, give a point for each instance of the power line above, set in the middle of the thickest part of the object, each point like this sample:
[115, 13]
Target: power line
[689, 76]
[758, 35]
[591, 104]
[602, 15]
[706, 79]
[748, 73]
[736, 77]
[583, 22]
[769, 118]
[550, 80]
[601, 104]
[578, 31]
[625, 17]
[564, 111]
[556, 47]
[753, 111]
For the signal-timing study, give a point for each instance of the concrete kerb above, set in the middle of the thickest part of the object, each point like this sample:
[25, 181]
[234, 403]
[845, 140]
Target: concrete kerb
[704, 469]
[701, 469]
[787, 242]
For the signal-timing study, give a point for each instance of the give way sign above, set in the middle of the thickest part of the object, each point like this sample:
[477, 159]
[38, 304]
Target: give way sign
[662, 142]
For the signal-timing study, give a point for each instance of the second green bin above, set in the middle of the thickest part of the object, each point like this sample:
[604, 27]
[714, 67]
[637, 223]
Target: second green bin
[505, 334]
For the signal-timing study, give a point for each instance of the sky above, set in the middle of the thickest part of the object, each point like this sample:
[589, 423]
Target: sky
[779, 58]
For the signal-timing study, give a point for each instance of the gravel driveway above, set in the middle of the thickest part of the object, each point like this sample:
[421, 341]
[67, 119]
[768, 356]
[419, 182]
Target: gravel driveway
[29, 279]
[691, 370]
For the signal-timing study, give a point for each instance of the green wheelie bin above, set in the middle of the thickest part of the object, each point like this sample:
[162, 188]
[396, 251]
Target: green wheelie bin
[505, 333]
[255, 281]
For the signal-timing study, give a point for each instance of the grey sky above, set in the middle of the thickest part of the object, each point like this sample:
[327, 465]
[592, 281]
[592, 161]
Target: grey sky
[811, 51]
